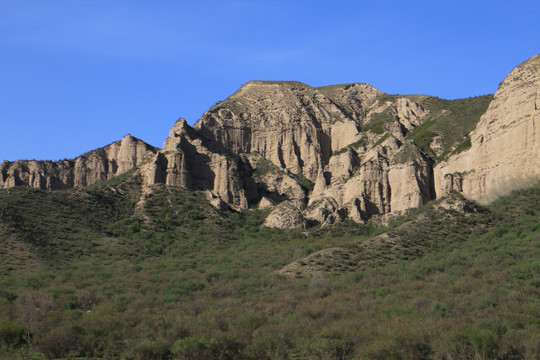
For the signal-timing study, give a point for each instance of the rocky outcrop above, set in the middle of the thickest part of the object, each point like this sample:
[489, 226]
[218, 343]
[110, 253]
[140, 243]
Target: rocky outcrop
[291, 124]
[374, 179]
[190, 160]
[96, 165]
[324, 135]
[274, 184]
[323, 155]
[352, 99]
[285, 216]
[505, 146]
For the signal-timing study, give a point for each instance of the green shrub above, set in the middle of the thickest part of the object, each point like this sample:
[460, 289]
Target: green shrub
[151, 350]
[422, 137]
[134, 224]
[37, 282]
[304, 182]
[462, 146]
[378, 120]
[8, 295]
[381, 140]
[69, 304]
[122, 301]
[60, 292]
[191, 348]
[331, 349]
[398, 347]
[440, 309]
[474, 344]
[343, 150]
[195, 215]
[181, 287]
[383, 291]
[11, 334]
[263, 167]
[58, 342]
[213, 275]
[353, 145]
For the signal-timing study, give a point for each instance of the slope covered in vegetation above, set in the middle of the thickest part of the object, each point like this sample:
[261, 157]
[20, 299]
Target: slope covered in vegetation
[96, 272]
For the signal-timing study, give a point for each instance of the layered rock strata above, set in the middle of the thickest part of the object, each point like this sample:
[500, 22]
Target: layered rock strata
[324, 135]
[322, 155]
[96, 165]
[289, 123]
[190, 160]
[505, 146]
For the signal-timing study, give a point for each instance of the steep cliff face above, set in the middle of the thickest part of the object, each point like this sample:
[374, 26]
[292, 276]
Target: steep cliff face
[291, 124]
[341, 138]
[190, 160]
[375, 180]
[505, 146]
[341, 151]
[322, 155]
[96, 165]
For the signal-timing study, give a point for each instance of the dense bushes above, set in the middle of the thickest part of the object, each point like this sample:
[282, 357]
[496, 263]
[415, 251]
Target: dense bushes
[177, 286]
[12, 335]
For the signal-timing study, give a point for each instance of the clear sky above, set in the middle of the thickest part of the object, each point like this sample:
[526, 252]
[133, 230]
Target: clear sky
[77, 75]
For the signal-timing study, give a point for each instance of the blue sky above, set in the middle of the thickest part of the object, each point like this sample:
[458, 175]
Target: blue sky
[76, 75]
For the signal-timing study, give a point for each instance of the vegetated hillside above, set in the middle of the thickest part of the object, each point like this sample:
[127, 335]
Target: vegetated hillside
[446, 129]
[121, 274]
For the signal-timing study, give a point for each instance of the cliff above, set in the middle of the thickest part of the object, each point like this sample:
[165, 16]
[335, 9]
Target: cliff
[505, 146]
[96, 165]
[322, 155]
[344, 145]
[190, 160]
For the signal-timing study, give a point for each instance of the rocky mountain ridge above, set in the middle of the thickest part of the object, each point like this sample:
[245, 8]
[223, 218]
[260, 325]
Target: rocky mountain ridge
[96, 165]
[322, 155]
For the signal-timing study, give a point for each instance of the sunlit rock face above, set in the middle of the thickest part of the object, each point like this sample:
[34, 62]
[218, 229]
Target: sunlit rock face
[289, 123]
[505, 146]
[97, 165]
[322, 155]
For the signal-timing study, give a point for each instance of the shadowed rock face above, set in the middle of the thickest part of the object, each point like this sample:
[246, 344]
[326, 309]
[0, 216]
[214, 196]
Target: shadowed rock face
[96, 165]
[322, 155]
[189, 160]
[505, 149]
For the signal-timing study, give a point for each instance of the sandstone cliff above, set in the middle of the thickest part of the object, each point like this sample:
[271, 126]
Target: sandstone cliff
[341, 138]
[190, 160]
[322, 155]
[289, 123]
[505, 146]
[96, 165]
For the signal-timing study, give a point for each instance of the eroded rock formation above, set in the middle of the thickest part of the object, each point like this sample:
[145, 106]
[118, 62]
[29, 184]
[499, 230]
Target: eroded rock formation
[322, 155]
[190, 160]
[291, 124]
[326, 136]
[96, 165]
[505, 146]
